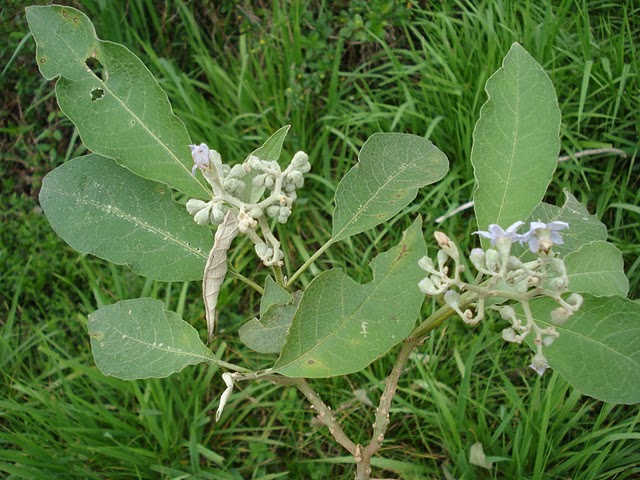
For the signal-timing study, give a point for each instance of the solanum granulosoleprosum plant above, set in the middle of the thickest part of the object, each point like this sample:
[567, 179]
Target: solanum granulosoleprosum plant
[546, 272]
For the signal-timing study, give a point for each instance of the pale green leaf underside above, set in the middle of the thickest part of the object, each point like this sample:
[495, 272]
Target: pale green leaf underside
[273, 294]
[391, 168]
[269, 151]
[121, 112]
[598, 351]
[515, 141]
[136, 339]
[268, 334]
[341, 327]
[597, 268]
[272, 148]
[101, 208]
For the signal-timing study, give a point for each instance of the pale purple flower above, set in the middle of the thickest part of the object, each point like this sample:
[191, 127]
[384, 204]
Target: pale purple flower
[539, 363]
[496, 232]
[201, 157]
[542, 236]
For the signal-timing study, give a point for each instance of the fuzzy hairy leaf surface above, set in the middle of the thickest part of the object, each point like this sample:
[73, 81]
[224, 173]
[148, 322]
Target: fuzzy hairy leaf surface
[268, 333]
[135, 339]
[340, 326]
[515, 141]
[598, 350]
[391, 168]
[101, 208]
[597, 268]
[112, 98]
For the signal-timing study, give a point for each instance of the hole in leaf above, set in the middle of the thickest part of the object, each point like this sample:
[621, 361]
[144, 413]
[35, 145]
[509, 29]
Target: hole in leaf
[97, 94]
[96, 67]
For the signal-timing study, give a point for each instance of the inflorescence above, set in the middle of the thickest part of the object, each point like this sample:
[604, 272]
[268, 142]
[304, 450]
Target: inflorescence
[241, 188]
[503, 277]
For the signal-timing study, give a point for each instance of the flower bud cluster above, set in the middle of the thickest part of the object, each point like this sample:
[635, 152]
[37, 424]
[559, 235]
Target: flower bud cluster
[241, 188]
[503, 277]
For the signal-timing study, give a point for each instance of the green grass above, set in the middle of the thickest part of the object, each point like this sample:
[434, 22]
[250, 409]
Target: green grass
[234, 75]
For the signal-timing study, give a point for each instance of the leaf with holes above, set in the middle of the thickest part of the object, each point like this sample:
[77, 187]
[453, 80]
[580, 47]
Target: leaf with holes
[136, 339]
[340, 327]
[109, 94]
[598, 350]
[515, 141]
[391, 168]
[98, 207]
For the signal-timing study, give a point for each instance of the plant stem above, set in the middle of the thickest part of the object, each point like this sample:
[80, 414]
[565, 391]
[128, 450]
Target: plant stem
[277, 271]
[325, 414]
[244, 279]
[312, 259]
[364, 454]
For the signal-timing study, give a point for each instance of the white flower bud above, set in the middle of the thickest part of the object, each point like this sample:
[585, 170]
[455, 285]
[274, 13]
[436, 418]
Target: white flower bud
[507, 313]
[426, 264]
[203, 216]
[442, 259]
[262, 250]
[194, 206]
[509, 335]
[557, 284]
[296, 178]
[492, 259]
[217, 214]
[427, 287]
[452, 298]
[560, 315]
[477, 258]
[273, 211]
[442, 239]
[258, 180]
[300, 162]
[575, 299]
[547, 340]
[255, 212]
[268, 181]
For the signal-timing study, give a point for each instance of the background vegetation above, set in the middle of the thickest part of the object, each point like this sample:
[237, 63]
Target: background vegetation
[338, 72]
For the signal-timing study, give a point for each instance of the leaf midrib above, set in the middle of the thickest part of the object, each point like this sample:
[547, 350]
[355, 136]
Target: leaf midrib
[143, 124]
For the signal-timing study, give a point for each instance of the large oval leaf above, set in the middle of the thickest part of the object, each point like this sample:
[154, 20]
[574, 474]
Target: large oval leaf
[598, 350]
[138, 338]
[597, 268]
[109, 94]
[340, 327]
[390, 169]
[515, 141]
[98, 207]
